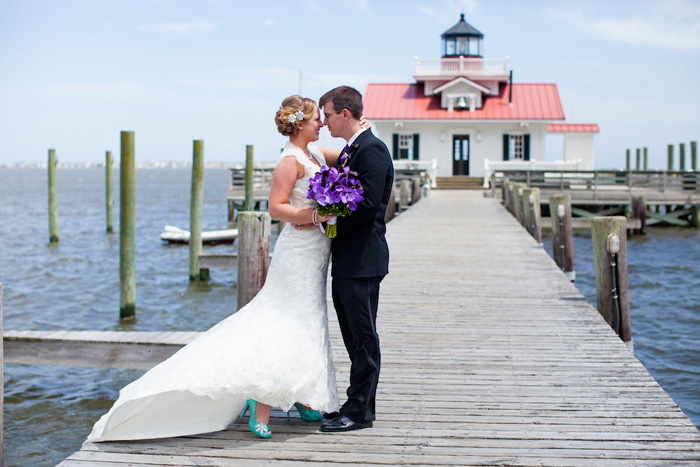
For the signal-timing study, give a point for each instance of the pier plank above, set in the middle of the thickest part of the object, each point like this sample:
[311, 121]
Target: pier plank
[491, 356]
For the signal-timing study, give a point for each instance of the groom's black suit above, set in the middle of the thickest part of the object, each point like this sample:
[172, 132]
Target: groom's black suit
[360, 260]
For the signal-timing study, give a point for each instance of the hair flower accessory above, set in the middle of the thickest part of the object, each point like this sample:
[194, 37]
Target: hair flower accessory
[297, 116]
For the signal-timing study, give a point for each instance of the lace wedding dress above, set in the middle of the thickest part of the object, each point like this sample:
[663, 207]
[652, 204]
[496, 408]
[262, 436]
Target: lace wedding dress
[274, 350]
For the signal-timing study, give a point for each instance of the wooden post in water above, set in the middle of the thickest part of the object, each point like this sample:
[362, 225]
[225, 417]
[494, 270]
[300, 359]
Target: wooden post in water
[638, 159]
[562, 234]
[628, 160]
[518, 203]
[646, 158]
[196, 200]
[404, 193]
[2, 384]
[415, 185]
[681, 150]
[670, 157]
[638, 210]
[253, 253]
[53, 203]
[694, 155]
[249, 201]
[127, 184]
[391, 206]
[610, 261]
[108, 192]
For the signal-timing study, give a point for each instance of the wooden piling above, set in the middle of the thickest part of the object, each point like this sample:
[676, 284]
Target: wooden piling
[249, 202]
[562, 234]
[196, 200]
[518, 201]
[2, 383]
[108, 192]
[253, 253]
[127, 277]
[628, 162]
[681, 155]
[533, 214]
[416, 187]
[508, 195]
[694, 155]
[391, 206]
[670, 157]
[638, 210]
[638, 158]
[616, 312]
[53, 203]
[405, 193]
[646, 158]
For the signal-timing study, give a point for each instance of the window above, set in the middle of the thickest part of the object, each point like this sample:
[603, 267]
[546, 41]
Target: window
[405, 146]
[516, 147]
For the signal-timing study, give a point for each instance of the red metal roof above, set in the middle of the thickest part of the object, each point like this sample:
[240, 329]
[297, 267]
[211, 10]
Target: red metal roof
[573, 128]
[407, 102]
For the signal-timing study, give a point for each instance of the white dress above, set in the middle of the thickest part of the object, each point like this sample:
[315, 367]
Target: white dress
[275, 350]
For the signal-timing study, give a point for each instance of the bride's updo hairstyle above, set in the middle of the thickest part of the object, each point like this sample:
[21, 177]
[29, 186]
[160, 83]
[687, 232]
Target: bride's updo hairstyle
[294, 109]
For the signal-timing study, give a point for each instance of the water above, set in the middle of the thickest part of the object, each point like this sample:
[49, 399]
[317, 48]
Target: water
[75, 286]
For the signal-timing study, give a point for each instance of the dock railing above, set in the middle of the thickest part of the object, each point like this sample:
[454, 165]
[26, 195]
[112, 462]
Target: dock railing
[598, 181]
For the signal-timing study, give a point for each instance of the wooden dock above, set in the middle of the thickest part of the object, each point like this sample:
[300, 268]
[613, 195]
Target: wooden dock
[490, 356]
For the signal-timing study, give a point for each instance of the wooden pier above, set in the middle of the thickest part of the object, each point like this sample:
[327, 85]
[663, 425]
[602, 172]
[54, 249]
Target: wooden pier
[490, 356]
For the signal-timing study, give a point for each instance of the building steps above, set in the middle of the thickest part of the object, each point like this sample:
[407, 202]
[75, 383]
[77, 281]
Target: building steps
[460, 182]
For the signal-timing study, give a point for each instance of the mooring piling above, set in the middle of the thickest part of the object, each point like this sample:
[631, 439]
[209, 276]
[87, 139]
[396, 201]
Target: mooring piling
[53, 203]
[253, 253]
[196, 200]
[609, 237]
[108, 191]
[127, 277]
[249, 197]
[562, 234]
[2, 383]
[670, 157]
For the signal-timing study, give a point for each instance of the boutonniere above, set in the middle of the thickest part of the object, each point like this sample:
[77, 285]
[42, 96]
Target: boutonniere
[347, 155]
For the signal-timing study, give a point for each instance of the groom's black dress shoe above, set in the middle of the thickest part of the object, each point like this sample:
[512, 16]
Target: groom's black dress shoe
[343, 423]
[330, 415]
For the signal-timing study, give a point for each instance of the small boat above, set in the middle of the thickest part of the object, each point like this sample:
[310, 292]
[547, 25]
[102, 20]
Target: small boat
[175, 235]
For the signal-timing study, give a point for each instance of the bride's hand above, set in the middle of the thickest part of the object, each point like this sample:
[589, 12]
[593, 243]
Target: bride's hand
[364, 124]
[326, 218]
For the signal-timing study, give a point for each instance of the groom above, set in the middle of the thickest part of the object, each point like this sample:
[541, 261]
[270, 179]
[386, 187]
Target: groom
[360, 255]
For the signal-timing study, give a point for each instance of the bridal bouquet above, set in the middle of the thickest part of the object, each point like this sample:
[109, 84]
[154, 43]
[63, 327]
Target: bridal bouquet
[336, 192]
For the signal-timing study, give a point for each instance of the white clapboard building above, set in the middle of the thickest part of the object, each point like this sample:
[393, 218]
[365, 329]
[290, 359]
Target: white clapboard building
[465, 116]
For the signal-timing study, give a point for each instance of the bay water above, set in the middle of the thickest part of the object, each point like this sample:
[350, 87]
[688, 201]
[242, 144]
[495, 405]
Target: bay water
[74, 285]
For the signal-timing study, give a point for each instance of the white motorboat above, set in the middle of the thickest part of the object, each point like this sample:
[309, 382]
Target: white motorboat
[174, 234]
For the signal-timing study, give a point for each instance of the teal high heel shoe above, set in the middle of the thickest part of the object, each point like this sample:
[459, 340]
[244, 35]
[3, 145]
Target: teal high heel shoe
[308, 415]
[259, 429]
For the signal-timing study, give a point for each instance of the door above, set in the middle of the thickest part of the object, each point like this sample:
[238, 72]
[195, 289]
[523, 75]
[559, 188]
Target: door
[460, 155]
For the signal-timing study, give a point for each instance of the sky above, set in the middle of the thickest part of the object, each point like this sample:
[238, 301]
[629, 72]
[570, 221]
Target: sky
[74, 73]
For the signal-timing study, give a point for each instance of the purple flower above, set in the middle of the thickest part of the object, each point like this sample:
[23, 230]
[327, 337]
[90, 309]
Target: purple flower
[336, 192]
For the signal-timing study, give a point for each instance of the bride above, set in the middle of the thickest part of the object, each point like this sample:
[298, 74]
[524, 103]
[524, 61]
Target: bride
[275, 351]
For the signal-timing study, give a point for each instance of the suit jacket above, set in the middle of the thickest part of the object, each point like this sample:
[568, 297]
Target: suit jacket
[360, 248]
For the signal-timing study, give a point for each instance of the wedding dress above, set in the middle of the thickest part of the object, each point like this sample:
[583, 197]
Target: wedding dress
[275, 350]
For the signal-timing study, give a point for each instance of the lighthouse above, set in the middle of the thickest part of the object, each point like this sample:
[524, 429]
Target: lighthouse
[464, 116]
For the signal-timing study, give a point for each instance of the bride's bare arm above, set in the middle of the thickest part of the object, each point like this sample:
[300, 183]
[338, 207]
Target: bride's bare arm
[283, 179]
[331, 155]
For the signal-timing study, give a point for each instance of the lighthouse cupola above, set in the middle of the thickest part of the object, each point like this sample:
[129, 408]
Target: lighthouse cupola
[462, 40]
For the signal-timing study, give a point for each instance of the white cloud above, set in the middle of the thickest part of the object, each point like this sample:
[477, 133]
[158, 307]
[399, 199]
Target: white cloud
[363, 6]
[185, 27]
[660, 27]
[270, 23]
